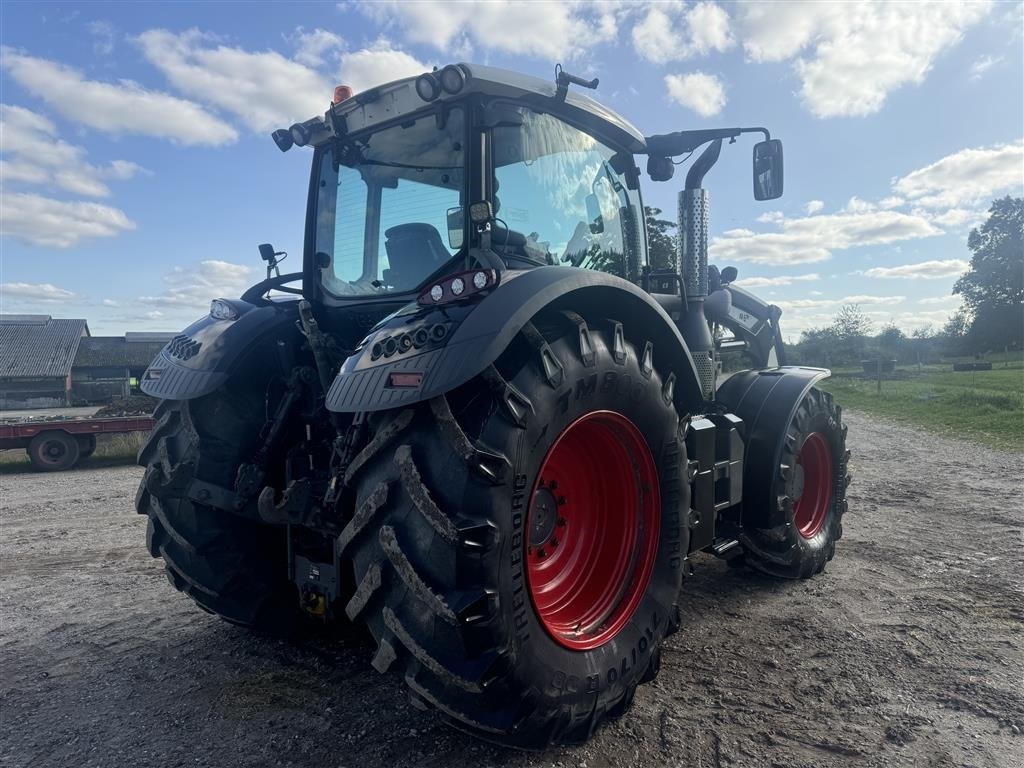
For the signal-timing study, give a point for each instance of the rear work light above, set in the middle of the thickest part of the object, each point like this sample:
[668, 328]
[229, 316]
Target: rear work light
[458, 286]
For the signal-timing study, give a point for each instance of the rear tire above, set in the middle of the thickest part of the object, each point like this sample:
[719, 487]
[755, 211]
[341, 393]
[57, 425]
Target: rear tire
[234, 567]
[809, 492]
[440, 537]
[53, 451]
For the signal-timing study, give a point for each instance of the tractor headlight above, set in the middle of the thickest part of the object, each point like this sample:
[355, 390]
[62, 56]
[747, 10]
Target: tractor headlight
[222, 310]
[301, 134]
[427, 87]
[452, 79]
[283, 139]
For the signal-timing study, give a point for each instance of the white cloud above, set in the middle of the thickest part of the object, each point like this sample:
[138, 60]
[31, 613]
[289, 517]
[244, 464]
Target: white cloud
[768, 282]
[312, 47]
[41, 292]
[547, 29]
[672, 32]
[41, 220]
[983, 64]
[38, 157]
[965, 177]
[923, 270]
[704, 94]
[812, 239]
[376, 64]
[856, 205]
[959, 218]
[264, 89]
[117, 108]
[814, 206]
[860, 299]
[850, 56]
[103, 37]
[944, 300]
[771, 217]
[192, 287]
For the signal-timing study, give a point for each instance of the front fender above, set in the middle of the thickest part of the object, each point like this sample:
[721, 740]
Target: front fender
[475, 335]
[766, 399]
[202, 357]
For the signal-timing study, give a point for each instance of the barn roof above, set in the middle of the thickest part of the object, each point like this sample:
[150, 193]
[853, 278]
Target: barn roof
[117, 351]
[38, 346]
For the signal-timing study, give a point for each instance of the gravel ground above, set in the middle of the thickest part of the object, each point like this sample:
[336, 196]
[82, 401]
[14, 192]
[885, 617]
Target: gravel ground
[907, 651]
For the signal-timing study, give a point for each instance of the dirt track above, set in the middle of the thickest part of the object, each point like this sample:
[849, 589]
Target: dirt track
[907, 651]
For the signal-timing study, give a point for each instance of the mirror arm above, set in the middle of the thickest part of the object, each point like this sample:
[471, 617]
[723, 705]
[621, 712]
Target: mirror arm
[758, 129]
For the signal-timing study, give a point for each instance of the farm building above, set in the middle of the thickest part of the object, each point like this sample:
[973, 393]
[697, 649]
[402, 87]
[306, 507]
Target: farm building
[48, 362]
[107, 367]
[36, 354]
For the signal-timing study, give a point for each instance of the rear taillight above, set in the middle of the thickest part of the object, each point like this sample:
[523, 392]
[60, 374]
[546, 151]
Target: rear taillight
[458, 286]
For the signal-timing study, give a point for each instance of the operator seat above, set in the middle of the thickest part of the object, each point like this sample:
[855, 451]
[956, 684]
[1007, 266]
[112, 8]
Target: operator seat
[414, 250]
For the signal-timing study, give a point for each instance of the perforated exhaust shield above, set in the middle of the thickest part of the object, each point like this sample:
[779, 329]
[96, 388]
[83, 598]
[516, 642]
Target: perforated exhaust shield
[693, 229]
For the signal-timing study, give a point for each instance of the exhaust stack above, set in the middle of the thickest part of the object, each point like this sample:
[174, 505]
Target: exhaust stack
[693, 266]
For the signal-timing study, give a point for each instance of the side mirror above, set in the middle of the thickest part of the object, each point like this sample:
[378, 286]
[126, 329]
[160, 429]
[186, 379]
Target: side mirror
[768, 170]
[455, 228]
[267, 252]
[596, 222]
[729, 275]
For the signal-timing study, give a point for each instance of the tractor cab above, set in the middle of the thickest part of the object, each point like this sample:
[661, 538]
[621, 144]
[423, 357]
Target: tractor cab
[462, 168]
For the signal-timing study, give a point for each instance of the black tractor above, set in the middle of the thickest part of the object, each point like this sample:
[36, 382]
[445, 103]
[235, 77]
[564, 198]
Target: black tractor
[485, 425]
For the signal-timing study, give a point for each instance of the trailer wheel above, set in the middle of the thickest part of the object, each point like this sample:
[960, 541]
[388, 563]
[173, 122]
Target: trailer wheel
[53, 451]
[518, 544]
[229, 565]
[809, 492]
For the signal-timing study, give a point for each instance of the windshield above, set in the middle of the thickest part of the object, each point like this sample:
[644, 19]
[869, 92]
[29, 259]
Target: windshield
[383, 203]
[566, 193]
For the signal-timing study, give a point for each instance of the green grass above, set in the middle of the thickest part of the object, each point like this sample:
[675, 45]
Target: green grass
[110, 450]
[984, 406]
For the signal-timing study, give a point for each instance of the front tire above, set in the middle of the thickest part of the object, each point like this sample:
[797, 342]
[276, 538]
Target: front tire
[808, 492]
[465, 514]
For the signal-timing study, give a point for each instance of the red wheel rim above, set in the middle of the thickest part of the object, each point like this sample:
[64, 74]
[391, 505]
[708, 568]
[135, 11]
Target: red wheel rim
[810, 510]
[592, 530]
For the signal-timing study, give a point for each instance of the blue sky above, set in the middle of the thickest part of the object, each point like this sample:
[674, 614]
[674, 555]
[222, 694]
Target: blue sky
[139, 176]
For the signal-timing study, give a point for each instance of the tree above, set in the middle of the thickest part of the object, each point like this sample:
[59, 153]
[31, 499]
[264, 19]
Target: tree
[993, 287]
[891, 340]
[849, 328]
[662, 240]
[954, 332]
[816, 346]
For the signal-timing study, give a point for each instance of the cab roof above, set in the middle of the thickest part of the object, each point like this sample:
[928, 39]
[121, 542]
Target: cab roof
[392, 100]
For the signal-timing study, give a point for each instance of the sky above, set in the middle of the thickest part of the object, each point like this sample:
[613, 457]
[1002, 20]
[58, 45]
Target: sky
[138, 173]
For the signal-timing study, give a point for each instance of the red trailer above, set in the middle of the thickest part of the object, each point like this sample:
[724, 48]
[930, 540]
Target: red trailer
[60, 443]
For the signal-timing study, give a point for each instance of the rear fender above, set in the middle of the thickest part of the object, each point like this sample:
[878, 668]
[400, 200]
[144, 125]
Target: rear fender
[202, 357]
[470, 337]
[766, 399]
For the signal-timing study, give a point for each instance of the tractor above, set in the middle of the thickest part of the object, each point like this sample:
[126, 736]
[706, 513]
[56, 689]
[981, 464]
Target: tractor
[480, 422]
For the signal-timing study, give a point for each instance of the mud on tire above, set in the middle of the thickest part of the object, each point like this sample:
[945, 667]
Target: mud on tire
[229, 565]
[437, 537]
[802, 545]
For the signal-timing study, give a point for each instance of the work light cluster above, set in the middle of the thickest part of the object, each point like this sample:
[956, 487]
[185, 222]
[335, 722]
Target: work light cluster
[458, 286]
